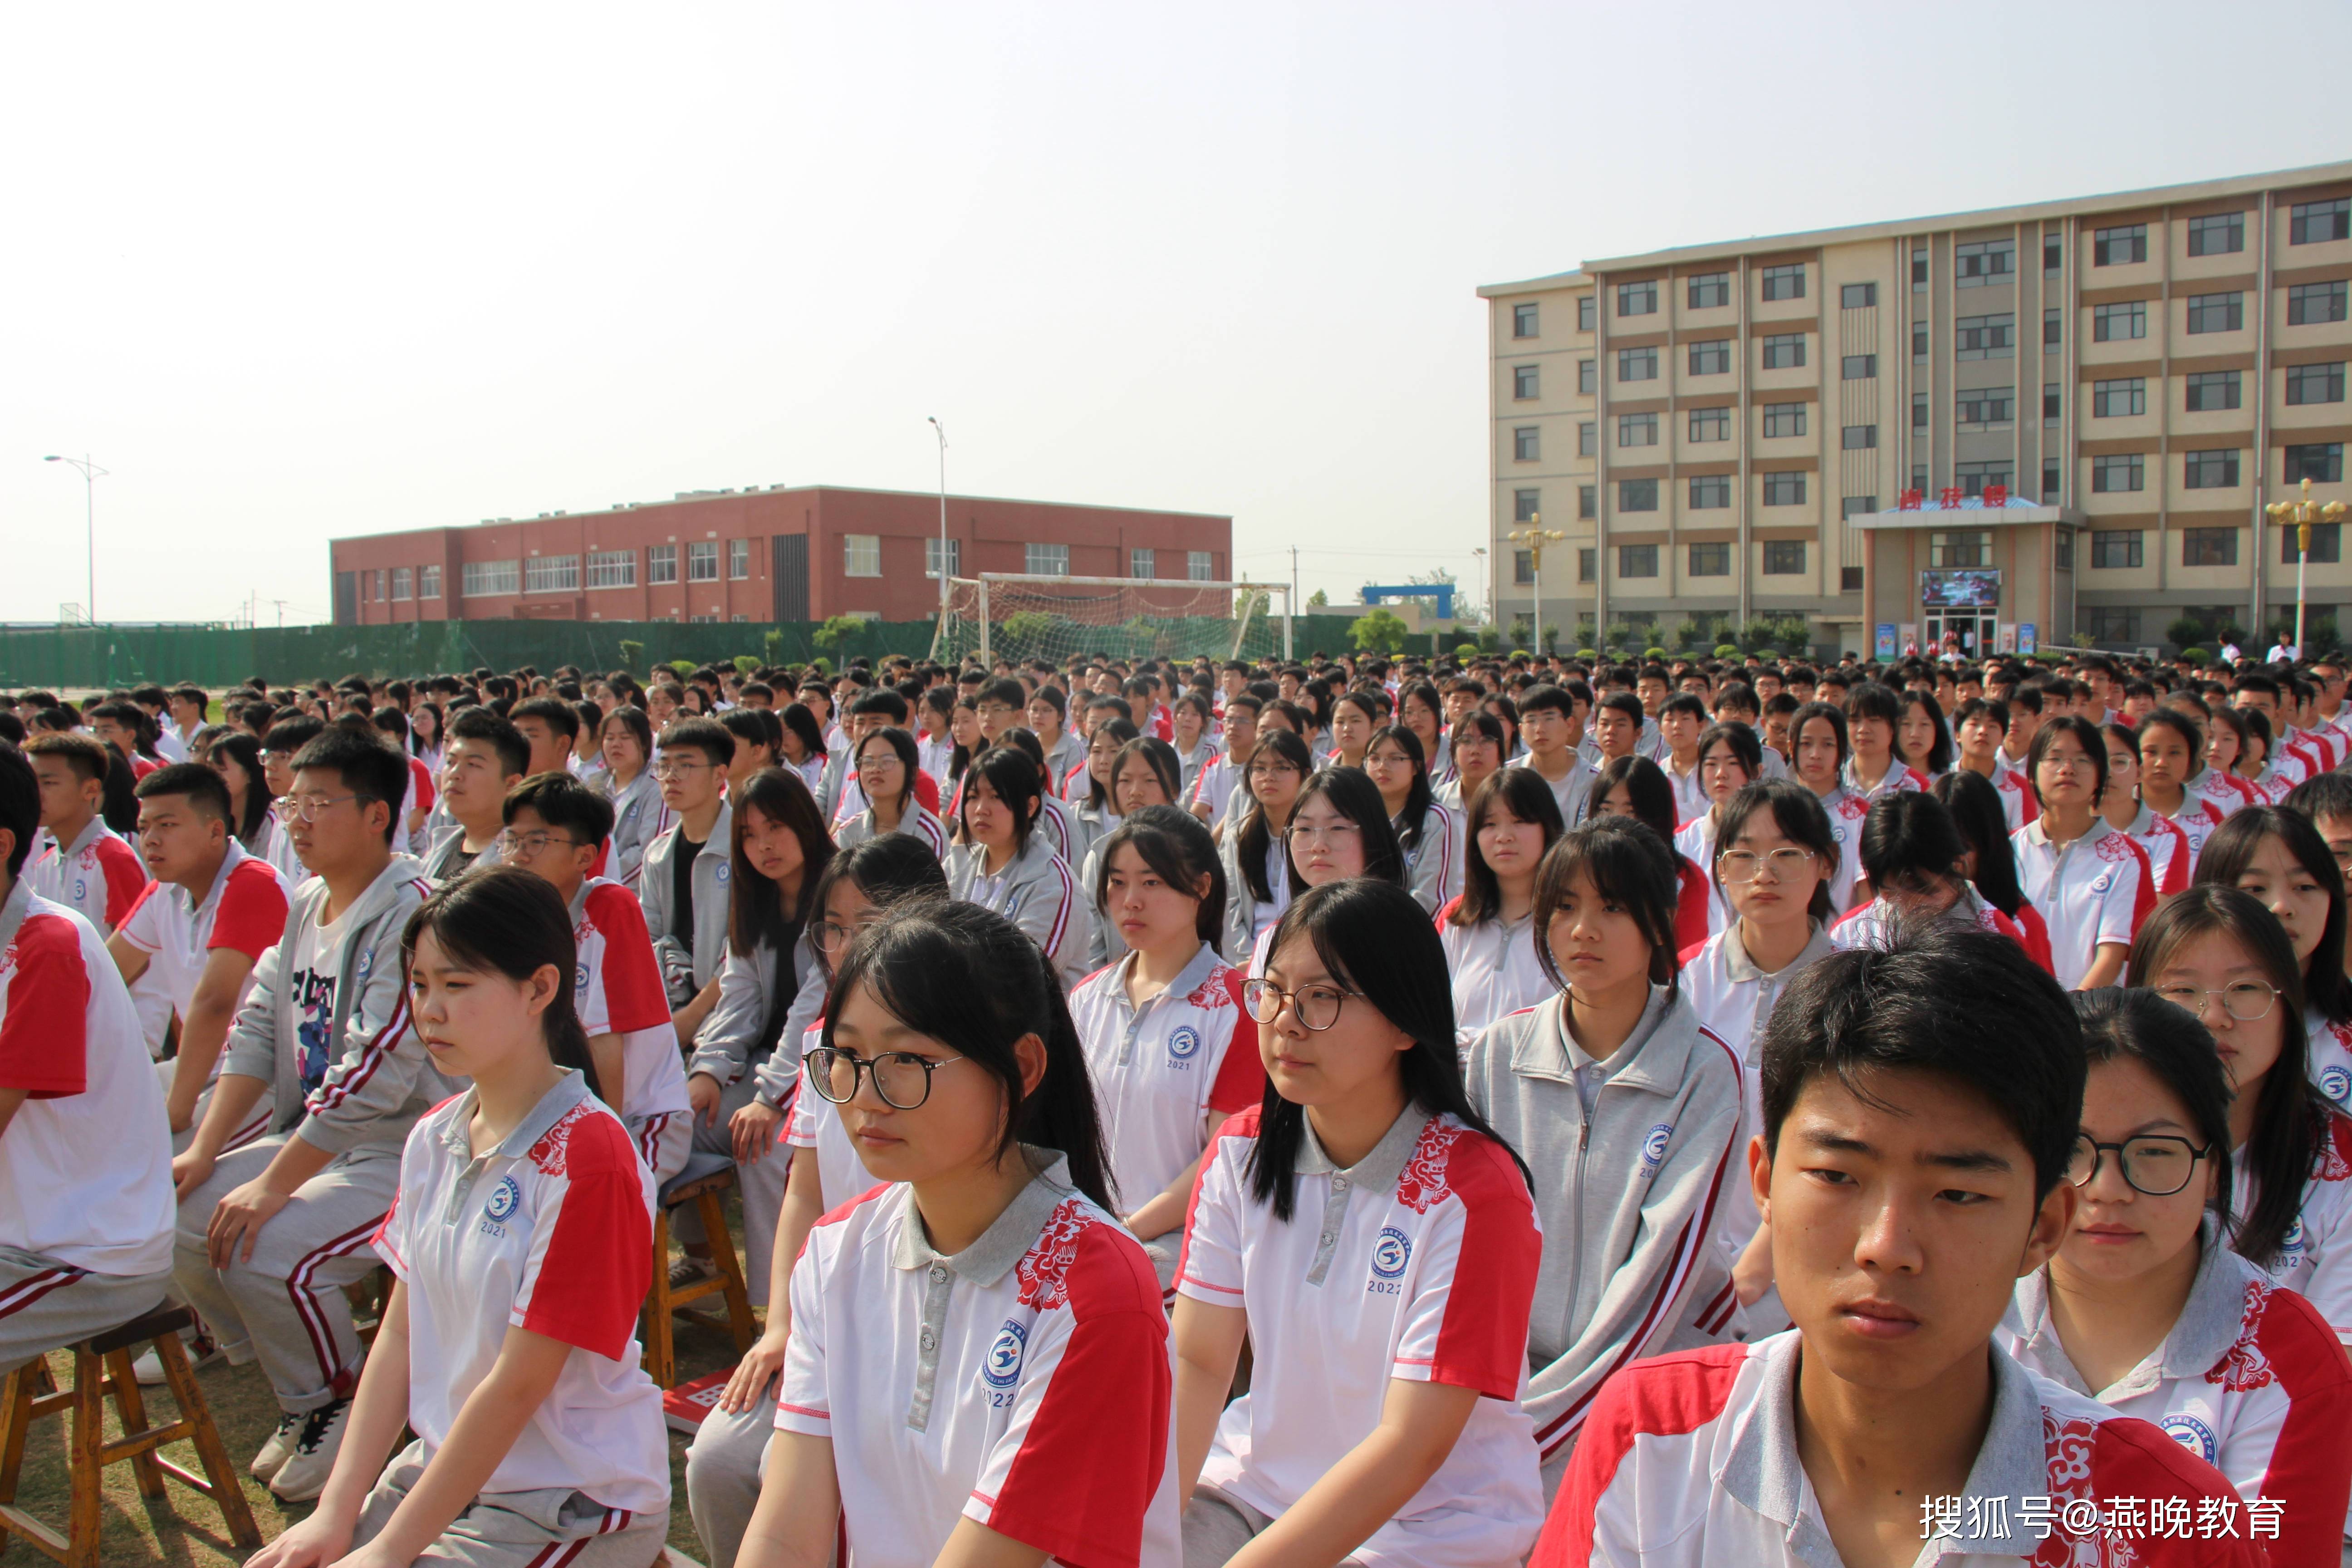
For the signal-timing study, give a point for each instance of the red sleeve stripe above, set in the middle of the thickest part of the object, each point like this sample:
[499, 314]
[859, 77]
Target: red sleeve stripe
[2309, 1459]
[328, 1096]
[1670, 1397]
[1062, 915]
[1242, 1126]
[45, 1036]
[1241, 1073]
[804, 1410]
[126, 878]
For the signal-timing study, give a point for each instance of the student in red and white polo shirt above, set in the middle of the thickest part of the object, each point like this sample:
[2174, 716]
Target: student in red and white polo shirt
[198, 930]
[1487, 933]
[1979, 727]
[2086, 878]
[78, 861]
[1163, 1028]
[555, 828]
[1898, 1222]
[1875, 769]
[1377, 1246]
[989, 1340]
[2169, 743]
[85, 1176]
[520, 1240]
[2247, 1376]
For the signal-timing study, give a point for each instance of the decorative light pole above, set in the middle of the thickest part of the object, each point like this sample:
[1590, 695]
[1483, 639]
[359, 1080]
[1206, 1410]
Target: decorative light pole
[2303, 513]
[91, 474]
[1534, 536]
[942, 432]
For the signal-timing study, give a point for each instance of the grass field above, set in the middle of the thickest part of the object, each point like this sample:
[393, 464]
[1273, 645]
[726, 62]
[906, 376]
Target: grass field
[185, 1531]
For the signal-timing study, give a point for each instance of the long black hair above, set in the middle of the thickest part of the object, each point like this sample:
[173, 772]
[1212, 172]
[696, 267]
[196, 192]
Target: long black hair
[902, 746]
[2232, 849]
[1354, 795]
[1159, 757]
[1253, 837]
[796, 718]
[1628, 865]
[1176, 845]
[1377, 943]
[1523, 792]
[506, 921]
[1417, 797]
[1974, 806]
[1098, 793]
[1939, 749]
[245, 751]
[886, 868]
[968, 978]
[1017, 780]
[2137, 1024]
[2290, 1116]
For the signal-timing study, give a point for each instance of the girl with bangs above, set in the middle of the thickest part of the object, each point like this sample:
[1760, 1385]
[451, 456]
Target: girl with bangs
[2172, 778]
[1005, 866]
[1916, 863]
[1093, 805]
[2161, 842]
[1922, 739]
[627, 742]
[803, 749]
[888, 762]
[1817, 738]
[2091, 884]
[1354, 716]
[2226, 737]
[1339, 830]
[1421, 710]
[1627, 1112]
[1638, 788]
[1730, 758]
[1488, 931]
[1145, 773]
[1255, 849]
[1475, 748]
[1426, 832]
[2278, 856]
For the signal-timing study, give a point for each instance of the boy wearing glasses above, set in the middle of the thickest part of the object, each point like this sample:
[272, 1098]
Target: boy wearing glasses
[486, 758]
[269, 1234]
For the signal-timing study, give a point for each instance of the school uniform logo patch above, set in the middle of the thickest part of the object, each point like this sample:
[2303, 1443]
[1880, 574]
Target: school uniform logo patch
[1184, 1044]
[1390, 1253]
[2192, 1434]
[1002, 1366]
[2334, 1082]
[1653, 1147]
[504, 1200]
[723, 873]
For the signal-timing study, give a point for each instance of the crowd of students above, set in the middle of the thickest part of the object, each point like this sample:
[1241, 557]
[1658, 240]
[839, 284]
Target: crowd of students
[1523, 1110]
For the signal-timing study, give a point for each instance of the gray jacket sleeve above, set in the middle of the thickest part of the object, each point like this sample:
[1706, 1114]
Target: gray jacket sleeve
[674, 954]
[778, 1073]
[252, 1048]
[368, 1093]
[729, 1034]
[1241, 909]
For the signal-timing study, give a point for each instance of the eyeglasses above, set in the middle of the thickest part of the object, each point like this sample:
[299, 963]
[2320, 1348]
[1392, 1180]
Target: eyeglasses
[669, 770]
[832, 938]
[2157, 1164]
[1742, 865]
[1316, 1007]
[902, 1078]
[306, 808]
[1270, 770]
[513, 846]
[2058, 764]
[1323, 833]
[2246, 1001]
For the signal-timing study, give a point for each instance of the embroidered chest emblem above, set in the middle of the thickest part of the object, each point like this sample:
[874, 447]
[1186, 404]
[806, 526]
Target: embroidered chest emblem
[1044, 1270]
[2245, 1366]
[1423, 1181]
[2067, 1446]
[1215, 991]
[2113, 846]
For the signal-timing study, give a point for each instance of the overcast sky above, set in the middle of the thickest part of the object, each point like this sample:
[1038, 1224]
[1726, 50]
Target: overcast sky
[295, 272]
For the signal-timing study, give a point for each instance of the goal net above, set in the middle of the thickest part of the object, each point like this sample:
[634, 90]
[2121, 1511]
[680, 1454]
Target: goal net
[1022, 617]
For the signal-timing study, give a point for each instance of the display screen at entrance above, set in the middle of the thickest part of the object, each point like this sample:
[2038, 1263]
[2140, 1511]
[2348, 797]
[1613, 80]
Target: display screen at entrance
[1965, 588]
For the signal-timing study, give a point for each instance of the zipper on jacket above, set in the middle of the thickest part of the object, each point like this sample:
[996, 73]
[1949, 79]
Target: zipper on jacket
[1576, 1232]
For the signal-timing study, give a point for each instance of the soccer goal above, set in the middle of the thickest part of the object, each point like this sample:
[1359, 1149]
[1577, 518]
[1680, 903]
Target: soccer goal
[1023, 616]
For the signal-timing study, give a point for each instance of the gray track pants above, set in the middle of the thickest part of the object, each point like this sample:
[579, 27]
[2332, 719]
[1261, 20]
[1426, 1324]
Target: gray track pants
[44, 1304]
[519, 1529]
[723, 1468]
[762, 1184]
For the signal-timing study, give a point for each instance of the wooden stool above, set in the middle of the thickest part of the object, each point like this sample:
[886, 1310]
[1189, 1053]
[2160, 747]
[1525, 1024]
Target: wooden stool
[103, 1366]
[704, 1184]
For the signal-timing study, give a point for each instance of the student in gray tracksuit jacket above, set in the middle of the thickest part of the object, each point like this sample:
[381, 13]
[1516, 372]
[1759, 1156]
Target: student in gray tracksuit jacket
[1630, 1154]
[689, 958]
[733, 1049]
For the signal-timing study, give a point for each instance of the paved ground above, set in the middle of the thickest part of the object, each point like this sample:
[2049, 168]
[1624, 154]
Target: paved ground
[186, 1531]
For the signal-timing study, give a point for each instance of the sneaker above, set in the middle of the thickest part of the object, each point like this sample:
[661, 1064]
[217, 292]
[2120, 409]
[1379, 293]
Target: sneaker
[690, 1269]
[275, 1452]
[202, 1352]
[304, 1474]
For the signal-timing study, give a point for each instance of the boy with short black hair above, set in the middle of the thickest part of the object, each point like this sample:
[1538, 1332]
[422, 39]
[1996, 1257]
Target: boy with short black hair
[78, 861]
[1553, 737]
[682, 887]
[486, 758]
[549, 728]
[1920, 1105]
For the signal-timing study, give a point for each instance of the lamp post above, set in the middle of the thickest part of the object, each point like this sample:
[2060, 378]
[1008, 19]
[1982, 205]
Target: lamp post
[91, 474]
[2303, 513]
[1483, 602]
[941, 431]
[1535, 537]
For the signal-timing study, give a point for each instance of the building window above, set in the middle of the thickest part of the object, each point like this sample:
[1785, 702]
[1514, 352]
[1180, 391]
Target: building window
[1784, 419]
[1526, 506]
[1526, 447]
[1523, 321]
[1710, 425]
[1523, 567]
[1712, 357]
[1857, 506]
[2116, 549]
[1784, 282]
[2110, 623]
[428, 582]
[1784, 557]
[1970, 548]
[1784, 490]
[2119, 399]
[1637, 560]
[1785, 351]
[1588, 376]
[2050, 481]
[1858, 367]
[2208, 547]
[2217, 234]
[1142, 563]
[2053, 253]
[1637, 495]
[2314, 304]
[1637, 364]
[1588, 565]
[403, 582]
[378, 583]
[1710, 561]
[2211, 470]
[2053, 396]
[2326, 544]
[861, 554]
[1526, 381]
[661, 564]
[1919, 475]
[1858, 297]
[1588, 438]
[1587, 503]
[1638, 299]
[613, 569]
[1710, 492]
[1046, 560]
[2122, 471]
[2212, 391]
[702, 560]
[1982, 262]
[1198, 566]
[2113, 323]
[1637, 429]
[2322, 463]
[2053, 328]
[2316, 383]
[1988, 405]
[2062, 549]
[2217, 312]
[2313, 223]
[1918, 342]
[955, 558]
[1919, 410]
[1986, 337]
[1975, 479]
[1708, 290]
[1858, 437]
[1918, 267]
[1849, 579]
[738, 559]
[2119, 246]
[480, 578]
[702, 620]
[1584, 314]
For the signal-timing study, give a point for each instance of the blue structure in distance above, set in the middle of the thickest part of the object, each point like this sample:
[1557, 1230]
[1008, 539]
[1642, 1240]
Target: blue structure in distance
[1442, 592]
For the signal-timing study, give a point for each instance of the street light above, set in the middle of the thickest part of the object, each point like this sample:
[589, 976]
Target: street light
[941, 431]
[1484, 602]
[1535, 538]
[91, 474]
[2303, 513]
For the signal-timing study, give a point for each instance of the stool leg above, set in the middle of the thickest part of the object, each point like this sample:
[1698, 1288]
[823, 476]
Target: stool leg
[211, 1452]
[89, 1438]
[131, 1407]
[16, 1421]
[713, 1209]
[661, 1358]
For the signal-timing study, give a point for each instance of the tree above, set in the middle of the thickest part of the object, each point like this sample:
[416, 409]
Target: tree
[1377, 631]
[633, 655]
[2184, 631]
[1319, 600]
[772, 639]
[1027, 625]
[836, 633]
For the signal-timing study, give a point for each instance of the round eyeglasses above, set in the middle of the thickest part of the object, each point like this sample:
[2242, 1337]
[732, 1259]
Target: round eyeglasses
[1742, 865]
[2156, 1163]
[1316, 1006]
[2246, 1001]
[902, 1078]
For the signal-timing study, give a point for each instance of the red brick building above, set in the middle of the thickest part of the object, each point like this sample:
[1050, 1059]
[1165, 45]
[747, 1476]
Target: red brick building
[779, 554]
